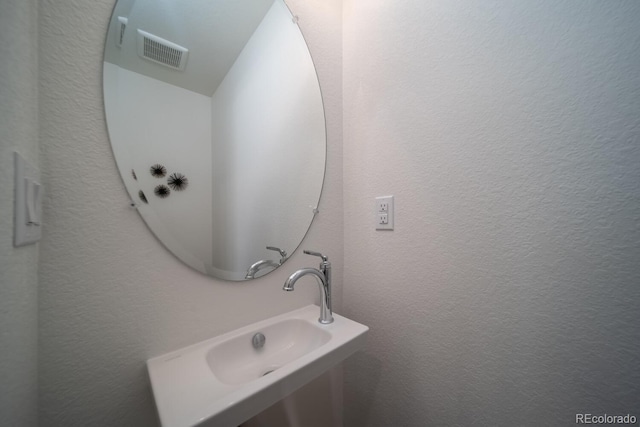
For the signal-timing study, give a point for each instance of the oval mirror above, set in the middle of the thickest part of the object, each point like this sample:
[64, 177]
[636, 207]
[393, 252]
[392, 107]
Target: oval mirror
[217, 125]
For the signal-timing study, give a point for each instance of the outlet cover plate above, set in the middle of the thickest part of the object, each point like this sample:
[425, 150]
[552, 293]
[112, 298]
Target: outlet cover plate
[384, 213]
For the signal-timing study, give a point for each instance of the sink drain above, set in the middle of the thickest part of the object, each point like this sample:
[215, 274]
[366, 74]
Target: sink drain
[268, 372]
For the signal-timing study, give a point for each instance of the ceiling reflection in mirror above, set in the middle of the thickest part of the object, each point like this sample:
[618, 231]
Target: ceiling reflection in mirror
[216, 122]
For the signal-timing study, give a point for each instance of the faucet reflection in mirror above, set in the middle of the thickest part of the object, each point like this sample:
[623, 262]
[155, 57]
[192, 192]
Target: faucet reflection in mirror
[264, 263]
[323, 276]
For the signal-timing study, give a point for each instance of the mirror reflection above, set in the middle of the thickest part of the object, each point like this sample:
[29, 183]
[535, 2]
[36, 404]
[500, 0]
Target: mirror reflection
[216, 122]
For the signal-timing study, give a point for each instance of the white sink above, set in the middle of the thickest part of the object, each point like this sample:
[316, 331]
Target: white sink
[225, 381]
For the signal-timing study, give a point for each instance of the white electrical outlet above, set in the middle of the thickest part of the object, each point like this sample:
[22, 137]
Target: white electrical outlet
[384, 213]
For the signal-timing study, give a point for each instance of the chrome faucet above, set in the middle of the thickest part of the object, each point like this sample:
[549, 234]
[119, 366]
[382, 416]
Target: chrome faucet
[323, 276]
[263, 263]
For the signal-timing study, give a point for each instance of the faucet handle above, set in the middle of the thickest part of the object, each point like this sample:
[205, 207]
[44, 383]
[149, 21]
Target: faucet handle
[324, 258]
[283, 253]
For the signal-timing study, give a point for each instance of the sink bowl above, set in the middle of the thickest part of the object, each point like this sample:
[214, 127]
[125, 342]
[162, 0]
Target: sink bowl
[225, 380]
[235, 361]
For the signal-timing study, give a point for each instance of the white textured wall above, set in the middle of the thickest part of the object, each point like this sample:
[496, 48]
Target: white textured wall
[509, 133]
[18, 266]
[111, 296]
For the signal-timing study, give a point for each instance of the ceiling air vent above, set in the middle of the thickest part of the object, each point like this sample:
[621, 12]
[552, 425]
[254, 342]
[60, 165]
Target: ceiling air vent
[161, 51]
[121, 27]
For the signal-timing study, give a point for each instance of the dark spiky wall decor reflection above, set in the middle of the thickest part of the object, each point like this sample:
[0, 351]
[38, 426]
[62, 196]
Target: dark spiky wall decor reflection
[158, 171]
[177, 181]
[142, 196]
[162, 191]
[133, 174]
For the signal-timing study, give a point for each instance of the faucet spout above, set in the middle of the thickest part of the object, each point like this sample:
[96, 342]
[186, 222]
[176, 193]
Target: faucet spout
[324, 283]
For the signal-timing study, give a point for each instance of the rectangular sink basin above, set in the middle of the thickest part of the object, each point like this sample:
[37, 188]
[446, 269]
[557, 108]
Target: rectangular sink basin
[235, 361]
[225, 380]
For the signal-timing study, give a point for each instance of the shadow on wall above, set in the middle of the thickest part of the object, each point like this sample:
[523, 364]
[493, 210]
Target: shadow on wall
[364, 370]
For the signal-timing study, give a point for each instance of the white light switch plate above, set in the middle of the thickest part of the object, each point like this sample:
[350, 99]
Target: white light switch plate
[27, 203]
